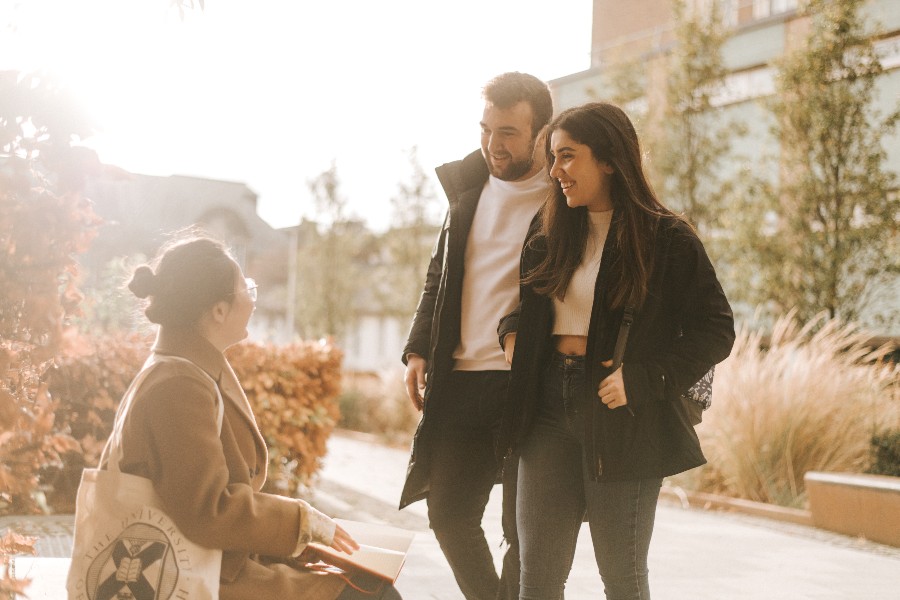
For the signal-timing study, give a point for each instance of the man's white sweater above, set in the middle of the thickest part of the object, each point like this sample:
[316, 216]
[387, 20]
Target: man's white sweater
[491, 280]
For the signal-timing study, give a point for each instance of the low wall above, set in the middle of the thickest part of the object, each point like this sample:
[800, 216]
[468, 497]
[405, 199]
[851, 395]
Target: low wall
[856, 504]
[691, 499]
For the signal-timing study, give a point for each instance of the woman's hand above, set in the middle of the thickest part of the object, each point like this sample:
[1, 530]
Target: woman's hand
[343, 541]
[612, 389]
[509, 346]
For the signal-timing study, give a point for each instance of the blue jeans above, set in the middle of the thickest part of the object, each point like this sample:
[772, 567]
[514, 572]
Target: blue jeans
[556, 493]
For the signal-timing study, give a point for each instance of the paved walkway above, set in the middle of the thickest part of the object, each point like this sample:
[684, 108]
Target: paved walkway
[695, 555]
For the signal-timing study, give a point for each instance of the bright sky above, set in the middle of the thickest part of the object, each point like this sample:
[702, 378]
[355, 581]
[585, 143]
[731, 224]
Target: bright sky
[270, 92]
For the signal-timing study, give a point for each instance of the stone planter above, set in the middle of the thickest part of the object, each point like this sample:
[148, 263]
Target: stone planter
[856, 504]
[691, 499]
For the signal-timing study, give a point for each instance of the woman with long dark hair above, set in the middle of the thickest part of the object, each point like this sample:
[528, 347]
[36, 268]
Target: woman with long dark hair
[595, 438]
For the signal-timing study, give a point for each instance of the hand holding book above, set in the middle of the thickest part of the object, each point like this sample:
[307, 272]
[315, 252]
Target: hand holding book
[379, 550]
[343, 542]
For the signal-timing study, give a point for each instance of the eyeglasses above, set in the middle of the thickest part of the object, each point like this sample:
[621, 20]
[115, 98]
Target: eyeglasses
[252, 288]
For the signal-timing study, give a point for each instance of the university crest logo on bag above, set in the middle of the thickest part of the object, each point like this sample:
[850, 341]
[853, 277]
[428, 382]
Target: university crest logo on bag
[140, 563]
[125, 548]
[125, 545]
[134, 552]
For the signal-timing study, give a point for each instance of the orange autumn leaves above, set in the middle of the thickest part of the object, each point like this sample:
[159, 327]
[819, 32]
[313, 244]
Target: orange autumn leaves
[293, 390]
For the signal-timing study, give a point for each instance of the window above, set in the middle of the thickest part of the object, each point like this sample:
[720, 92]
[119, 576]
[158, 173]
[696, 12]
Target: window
[728, 9]
[767, 8]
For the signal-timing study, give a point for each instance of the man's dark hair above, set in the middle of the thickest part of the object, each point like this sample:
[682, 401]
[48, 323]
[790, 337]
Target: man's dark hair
[507, 90]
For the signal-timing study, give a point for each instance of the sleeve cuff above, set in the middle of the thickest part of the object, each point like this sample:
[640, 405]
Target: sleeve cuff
[315, 526]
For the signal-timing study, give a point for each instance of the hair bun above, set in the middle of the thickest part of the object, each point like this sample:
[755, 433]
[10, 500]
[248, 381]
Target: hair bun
[143, 282]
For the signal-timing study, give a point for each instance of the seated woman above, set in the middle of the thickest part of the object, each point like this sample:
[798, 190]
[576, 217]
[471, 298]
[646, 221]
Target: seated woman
[209, 482]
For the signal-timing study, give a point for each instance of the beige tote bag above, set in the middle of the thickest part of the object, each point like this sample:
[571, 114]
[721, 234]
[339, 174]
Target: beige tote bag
[125, 545]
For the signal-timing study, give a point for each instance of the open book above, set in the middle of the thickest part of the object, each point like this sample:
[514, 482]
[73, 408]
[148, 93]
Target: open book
[382, 549]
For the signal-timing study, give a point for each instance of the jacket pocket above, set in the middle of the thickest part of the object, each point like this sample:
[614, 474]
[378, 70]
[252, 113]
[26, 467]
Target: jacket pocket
[644, 386]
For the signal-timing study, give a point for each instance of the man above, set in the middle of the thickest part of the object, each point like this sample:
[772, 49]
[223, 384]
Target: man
[452, 352]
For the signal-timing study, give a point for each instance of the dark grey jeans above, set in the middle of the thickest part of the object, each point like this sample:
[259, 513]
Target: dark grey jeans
[463, 470]
[556, 492]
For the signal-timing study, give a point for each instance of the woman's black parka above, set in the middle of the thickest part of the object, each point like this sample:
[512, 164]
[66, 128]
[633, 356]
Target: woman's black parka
[684, 327]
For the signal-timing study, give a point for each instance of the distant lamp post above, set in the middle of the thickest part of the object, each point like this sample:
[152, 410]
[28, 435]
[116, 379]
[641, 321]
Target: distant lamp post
[291, 303]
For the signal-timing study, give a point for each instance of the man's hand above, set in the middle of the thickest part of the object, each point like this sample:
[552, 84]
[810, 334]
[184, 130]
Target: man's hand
[415, 379]
[509, 347]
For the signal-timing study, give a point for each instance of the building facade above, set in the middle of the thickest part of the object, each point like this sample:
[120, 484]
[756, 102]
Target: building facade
[633, 40]
[140, 212]
[643, 32]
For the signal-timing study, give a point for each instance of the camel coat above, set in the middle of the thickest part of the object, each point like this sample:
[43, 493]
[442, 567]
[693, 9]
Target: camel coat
[209, 483]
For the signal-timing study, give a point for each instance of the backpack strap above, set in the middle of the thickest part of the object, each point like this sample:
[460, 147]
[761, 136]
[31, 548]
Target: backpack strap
[624, 329]
[618, 355]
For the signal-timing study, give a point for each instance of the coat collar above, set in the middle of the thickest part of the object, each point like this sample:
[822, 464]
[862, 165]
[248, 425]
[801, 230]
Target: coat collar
[466, 175]
[196, 348]
[192, 346]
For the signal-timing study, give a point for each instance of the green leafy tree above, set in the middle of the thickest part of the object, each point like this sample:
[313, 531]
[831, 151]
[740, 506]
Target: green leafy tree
[330, 275]
[833, 241]
[693, 140]
[108, 306]
[406, 246]
[623, 81]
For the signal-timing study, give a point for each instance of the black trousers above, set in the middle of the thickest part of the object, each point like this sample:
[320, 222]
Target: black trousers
[463, 470]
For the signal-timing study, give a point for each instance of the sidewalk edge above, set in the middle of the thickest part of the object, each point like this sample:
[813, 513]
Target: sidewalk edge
[689, 499]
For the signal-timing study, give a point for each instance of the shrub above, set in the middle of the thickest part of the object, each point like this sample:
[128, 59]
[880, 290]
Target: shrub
[88, 383]
[886, 451]
[12, 544]
[377, 404]
[292, 390]
[811, 402]
[44, 222]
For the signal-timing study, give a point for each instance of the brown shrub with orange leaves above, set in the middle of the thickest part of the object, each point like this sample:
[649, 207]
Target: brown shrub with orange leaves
[293, 390]
[54, 423]
[45, 221]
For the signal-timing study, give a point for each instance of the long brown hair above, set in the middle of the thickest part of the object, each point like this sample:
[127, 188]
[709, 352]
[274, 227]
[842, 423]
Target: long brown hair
[608, 132]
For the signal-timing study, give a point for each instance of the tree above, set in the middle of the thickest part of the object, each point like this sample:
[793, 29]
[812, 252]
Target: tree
[623, 82]
[833, 240]
[109, 306]
[45, 221]
[329, 276]
[183, 6]
[693, 140]
[407, 245]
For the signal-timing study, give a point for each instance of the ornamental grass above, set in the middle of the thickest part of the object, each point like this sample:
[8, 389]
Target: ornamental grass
[811, 401]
